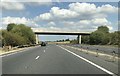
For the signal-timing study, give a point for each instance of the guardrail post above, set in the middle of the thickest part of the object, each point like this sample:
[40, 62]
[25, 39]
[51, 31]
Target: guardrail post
[113, 56]
[87, 51]
[81, 48]
[97, 53]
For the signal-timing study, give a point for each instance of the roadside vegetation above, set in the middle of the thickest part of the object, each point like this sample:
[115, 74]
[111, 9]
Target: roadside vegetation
[17, 35]
[101, 36]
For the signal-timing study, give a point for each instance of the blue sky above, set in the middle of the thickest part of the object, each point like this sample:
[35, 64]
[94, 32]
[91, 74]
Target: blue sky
[61, 16]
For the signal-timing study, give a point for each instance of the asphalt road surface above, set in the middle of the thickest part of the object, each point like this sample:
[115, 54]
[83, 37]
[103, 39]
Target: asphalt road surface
[51, 59]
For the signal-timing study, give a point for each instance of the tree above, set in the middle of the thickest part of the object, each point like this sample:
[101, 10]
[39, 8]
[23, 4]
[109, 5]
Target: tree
[67, 39]
[11, 39]
[104, 29]
[105, 39]
[114, 38]
[96, 37]
[85, 39]
[16, 35]
[100, 36]
[10, 26]
[1, 38]
[25, 32]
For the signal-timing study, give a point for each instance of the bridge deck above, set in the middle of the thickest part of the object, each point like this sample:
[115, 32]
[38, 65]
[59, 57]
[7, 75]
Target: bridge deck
[61, 33]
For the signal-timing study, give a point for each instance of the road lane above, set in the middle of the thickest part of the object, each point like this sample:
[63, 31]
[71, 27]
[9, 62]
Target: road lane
[53, 61]
[16, 62]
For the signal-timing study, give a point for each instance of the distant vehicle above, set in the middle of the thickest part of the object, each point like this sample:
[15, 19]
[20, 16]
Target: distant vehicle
[43, 44]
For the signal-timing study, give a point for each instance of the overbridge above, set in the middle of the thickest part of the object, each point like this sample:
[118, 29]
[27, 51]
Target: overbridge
[37, 31]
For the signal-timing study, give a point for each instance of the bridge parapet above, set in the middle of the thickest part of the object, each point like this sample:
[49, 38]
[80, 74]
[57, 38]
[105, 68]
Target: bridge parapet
[37, 31]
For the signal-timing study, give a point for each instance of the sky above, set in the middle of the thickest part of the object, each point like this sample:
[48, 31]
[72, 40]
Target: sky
[60, 16]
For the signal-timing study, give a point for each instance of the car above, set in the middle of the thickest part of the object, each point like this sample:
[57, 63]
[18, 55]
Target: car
[43, 44]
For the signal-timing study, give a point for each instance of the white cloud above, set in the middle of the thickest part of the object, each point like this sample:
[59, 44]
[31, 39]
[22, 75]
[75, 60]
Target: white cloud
[57, 14]
[87, 25]
[92, 8]
[39, 3]
[68, 23]
[82, 7]
[17, 20]
[19, 5]
[26, 0]
[92, 22]
[91, 11]
[7, 20]
[52, 29]
[51, 24]
[45, 16]
[80, 11]
[100, 21]
[107, 9]
[84, 22]
[12, 6]
[79, 17]
[62, 13]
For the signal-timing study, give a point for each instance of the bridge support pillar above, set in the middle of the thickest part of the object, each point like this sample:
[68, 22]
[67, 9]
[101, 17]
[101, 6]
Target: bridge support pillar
[79, 39]
[37, 40]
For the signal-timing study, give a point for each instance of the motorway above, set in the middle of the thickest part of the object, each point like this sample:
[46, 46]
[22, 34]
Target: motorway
[54, 59]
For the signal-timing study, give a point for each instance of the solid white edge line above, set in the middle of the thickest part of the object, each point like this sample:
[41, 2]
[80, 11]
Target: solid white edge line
[103, 69]
[12, 53]
[37, 57]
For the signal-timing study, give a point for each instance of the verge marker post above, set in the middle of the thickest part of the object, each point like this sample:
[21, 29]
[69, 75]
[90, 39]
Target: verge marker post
[97, 53]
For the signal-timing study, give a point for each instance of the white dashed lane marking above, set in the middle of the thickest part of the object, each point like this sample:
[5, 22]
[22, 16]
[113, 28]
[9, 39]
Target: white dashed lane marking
[37, 57]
